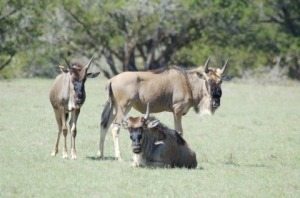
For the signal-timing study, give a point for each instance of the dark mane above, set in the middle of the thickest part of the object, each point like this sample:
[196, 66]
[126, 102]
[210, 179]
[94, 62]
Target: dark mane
[167, 131]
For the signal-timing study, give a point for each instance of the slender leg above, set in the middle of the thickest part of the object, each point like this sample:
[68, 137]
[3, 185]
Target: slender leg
[115, 133]
[177, 123]
[73, 127]
[103, 133]
[59, 124]
[121, 114]
[65, 133]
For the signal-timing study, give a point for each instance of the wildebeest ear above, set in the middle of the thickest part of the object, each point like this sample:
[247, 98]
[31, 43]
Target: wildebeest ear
[152, 123]
[63, 69]
[92, 72]
[202, 74]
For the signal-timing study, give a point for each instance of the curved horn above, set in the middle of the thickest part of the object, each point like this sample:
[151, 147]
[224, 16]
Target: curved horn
[206, 65]
[147, 112]
[224, 67]
[89, 63]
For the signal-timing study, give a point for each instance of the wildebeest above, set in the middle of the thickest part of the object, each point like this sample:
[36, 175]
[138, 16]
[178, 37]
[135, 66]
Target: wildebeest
[175, 90]
[67, 95]
[154, 144]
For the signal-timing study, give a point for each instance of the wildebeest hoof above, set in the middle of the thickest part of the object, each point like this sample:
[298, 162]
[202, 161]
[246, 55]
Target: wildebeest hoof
[73, 154]
[65, 156]
[73, 157]
[53, 153]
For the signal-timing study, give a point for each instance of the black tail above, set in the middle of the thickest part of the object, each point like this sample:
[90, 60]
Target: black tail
[108, 108]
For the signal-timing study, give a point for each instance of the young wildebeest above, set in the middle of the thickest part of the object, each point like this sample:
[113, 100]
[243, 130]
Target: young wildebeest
[67, 95]
[154, 144]
[174, 90]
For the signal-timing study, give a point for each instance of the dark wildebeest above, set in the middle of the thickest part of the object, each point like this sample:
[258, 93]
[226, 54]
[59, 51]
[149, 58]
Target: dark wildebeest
[67, 95]
[154, 144]
[174, 90]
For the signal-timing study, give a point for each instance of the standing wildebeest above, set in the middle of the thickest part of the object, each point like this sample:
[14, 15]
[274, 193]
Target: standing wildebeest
[174, 90]
[67, 95]
[154, 144]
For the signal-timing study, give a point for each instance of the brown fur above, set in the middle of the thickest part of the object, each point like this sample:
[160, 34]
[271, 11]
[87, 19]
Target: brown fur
[65, 101]
[173, 90]
[160, 146]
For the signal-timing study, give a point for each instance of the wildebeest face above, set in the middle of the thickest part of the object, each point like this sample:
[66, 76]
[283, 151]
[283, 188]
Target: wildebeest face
[216, 93]
[215, 76]
[136, 136]
[79, 91]
[78, 74]
[135, 126]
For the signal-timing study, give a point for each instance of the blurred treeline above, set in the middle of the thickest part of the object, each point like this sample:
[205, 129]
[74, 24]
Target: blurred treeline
[256, 35]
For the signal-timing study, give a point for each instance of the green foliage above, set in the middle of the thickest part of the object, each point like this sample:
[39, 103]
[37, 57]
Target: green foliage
[37, 35]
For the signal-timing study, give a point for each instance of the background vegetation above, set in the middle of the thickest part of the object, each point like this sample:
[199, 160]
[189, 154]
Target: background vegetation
[257, 36]
[249, 148]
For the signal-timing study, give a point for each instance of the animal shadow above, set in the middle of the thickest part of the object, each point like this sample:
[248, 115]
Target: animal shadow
[95, 158]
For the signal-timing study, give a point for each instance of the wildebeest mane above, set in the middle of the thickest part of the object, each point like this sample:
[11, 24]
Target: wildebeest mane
[164, 130]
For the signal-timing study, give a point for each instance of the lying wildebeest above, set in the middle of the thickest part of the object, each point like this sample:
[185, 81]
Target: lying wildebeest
[67, 95]
[175, 90]
[154, 144]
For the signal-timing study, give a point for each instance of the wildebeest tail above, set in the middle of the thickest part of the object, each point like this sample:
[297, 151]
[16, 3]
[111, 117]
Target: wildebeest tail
[108, 109]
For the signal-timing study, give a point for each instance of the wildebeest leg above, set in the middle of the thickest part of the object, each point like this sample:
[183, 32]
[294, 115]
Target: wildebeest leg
[73, 127]
[65, 133]
[121, 113]
[177, 122]
[115, 133]
[59, 124]
[103, 133]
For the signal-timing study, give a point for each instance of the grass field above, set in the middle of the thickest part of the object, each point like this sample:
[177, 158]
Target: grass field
[249, 148]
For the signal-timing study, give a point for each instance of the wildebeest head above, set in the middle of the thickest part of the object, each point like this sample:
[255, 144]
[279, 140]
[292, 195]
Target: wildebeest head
[214, 80]
[78, 74]
[136, 127]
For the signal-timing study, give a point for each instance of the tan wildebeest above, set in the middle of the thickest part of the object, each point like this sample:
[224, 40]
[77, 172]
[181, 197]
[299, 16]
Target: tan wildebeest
[67, 95]
[174, 90]
[156, 145]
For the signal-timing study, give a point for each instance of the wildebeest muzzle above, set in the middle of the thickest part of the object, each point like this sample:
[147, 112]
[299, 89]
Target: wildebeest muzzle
[136, 149]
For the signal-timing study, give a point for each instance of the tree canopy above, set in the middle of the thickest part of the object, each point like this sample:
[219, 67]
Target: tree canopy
[133, 35]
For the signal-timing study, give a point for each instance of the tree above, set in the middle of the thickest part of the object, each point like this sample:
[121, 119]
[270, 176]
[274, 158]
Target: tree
[133, 35]
[19, 26]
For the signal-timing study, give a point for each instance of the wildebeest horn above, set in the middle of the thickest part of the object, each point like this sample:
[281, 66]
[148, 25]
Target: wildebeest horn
[224, 67]
[147, 112]
[89, 63]
[206, 65]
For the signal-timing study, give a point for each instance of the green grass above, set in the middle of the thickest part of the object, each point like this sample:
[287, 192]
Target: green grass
[249, 148]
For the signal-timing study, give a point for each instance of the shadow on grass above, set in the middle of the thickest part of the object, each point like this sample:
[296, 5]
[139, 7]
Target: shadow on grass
[109, 158]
